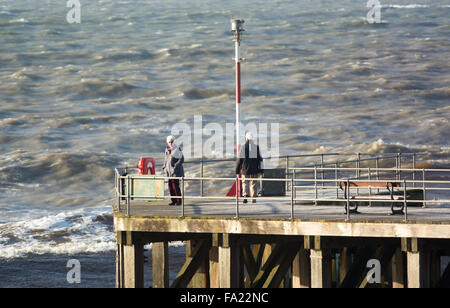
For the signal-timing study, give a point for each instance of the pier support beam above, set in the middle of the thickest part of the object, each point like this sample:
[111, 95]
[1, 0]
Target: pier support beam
[214, 267]
[301, 269]
[201, 277]
[415, 277]
[321, 268]
[160, 264]
[418, 263]
[435, 270]
[398, 270]
[130, 261]
[230, 274]
[198, 256]
[274, 270]
[344, 263]
[134, 266]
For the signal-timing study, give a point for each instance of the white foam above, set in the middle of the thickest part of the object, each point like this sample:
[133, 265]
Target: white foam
[20, 20]
[376, 145]
[71, 232]
[406, 6]
[193, 46]
[171, 244]
[64, 233]
[413, 6]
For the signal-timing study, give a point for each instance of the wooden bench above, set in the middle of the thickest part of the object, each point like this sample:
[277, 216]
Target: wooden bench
[396, 207]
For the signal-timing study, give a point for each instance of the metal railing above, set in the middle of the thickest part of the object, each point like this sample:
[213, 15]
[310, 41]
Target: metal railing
[417, 177]
[387, 159]
[424, 181]
[315, 184]
[399, 158]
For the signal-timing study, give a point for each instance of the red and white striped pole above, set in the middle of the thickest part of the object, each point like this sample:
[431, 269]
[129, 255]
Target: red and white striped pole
[237, 29]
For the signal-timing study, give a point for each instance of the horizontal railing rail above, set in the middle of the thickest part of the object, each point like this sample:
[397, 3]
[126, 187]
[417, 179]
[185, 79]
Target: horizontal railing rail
[398, 156]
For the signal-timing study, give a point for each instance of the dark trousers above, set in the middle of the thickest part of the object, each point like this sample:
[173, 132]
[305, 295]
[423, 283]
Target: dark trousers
[174, 188]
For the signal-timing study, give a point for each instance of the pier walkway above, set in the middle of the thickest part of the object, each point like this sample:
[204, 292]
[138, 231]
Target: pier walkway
[282, 211]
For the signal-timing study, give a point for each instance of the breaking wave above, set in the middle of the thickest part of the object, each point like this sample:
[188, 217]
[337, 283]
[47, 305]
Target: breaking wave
[432, 157]
[94, 88]
[198, 94]
[128, 55]
[67, 233]
[405, 6]
[19, 167]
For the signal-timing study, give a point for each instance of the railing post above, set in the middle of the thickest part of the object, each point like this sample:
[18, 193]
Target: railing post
[377, 166]
[182, 196]
[237, 197]
[292, 198]
[424, 189]
[201, 175]
[370, 188]
[322, 165]
[414, 168]
[336, 180]
[294, 175]
[117, 190]
[315, 184]
[404, 200]
[128, 195]
[287, 172]
[396, 167]
[358, 171]
[347, 188]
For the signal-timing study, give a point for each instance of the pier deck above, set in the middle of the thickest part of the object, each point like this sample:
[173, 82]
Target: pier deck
[282, 210]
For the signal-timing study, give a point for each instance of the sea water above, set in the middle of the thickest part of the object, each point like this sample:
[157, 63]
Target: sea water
[79, 99]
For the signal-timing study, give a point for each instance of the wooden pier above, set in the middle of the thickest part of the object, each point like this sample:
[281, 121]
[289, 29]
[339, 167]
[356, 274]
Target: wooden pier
[266, 247]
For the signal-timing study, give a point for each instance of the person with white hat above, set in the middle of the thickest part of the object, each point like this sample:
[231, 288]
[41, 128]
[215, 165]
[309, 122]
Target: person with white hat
[249, 166]
[173, 167]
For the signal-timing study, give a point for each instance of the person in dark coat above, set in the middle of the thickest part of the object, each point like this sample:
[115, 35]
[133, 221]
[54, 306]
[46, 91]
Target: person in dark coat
[249, 166]
[173, 167]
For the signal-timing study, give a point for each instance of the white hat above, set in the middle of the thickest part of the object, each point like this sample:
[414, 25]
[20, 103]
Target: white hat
[170, 138]
[249, 136]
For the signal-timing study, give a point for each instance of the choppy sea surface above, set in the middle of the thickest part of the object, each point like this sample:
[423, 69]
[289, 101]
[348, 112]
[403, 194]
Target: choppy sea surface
[78, 100]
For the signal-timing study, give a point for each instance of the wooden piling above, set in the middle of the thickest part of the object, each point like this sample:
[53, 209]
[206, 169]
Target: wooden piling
[160, 264]
[301, 269]
[130, 263]
[398, 270]
[229, 263]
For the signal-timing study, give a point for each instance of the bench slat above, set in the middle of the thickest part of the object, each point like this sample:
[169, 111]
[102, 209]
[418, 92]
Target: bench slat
[369, 184]
[376, 197]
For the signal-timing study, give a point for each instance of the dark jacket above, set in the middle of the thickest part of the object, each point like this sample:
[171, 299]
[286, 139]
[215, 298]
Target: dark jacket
[173, 164]
[249, 161]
